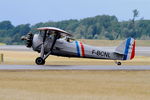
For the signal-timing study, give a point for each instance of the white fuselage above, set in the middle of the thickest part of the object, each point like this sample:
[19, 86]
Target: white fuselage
[73, 49]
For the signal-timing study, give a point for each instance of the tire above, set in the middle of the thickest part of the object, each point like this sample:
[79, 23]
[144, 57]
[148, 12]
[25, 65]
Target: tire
[119, 63]
[40, 61]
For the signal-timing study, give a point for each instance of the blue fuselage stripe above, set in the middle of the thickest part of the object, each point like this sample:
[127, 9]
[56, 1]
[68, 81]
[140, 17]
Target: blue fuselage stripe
[127, 49]
[78, 50]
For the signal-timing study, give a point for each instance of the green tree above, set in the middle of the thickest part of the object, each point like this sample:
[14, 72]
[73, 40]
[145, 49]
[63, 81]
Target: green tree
[6, 25]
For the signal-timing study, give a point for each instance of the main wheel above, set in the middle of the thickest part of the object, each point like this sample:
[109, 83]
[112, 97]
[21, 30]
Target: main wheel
[119, 63]
[40, 61]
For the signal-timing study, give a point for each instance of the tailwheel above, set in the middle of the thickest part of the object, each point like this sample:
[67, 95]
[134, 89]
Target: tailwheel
[40, 61]
[119, 63]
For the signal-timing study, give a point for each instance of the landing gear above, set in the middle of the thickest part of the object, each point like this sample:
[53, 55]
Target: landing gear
[118, 63]
[40, 61]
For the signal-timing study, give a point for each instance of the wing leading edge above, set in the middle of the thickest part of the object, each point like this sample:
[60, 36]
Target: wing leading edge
[63, 33]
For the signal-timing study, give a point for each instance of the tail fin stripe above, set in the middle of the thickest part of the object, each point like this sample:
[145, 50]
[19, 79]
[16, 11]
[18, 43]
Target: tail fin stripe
[127, 49]
[133, 51]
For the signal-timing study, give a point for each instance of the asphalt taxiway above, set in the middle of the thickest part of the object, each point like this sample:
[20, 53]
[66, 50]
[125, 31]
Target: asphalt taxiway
[71, 67]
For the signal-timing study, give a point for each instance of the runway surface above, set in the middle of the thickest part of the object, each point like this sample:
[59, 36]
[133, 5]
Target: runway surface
[140, 51]
[70, 67]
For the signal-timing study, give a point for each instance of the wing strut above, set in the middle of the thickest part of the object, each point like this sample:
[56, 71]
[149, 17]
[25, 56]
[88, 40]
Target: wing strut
[42, 46]
[41, 60]
[57, 36]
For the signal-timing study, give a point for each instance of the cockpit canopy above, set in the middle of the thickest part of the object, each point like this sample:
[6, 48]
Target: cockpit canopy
[51, 31]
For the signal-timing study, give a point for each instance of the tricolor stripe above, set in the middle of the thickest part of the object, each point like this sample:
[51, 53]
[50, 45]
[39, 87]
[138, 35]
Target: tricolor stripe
[126, 49]
[129, 51]
[80, 49]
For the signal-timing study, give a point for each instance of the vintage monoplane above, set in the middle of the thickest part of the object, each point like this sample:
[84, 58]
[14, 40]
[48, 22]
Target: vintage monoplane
[54, 41]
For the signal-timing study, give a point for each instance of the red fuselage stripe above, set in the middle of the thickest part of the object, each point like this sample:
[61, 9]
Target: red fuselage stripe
[82, 49]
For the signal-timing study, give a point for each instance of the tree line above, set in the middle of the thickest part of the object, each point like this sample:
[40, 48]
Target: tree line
[98, 27]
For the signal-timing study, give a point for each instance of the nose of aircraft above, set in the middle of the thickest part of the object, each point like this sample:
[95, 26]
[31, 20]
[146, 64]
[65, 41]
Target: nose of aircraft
[28, 39]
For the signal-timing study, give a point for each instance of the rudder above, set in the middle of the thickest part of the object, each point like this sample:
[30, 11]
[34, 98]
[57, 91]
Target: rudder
[127, 49]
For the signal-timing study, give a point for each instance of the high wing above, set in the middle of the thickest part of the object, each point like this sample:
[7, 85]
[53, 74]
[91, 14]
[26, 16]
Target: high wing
[57, 30]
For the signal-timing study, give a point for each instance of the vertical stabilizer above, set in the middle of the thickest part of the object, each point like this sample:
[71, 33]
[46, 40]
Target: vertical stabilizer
[127, 49]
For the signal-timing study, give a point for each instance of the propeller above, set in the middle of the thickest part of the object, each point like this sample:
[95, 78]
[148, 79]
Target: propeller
[28, 39]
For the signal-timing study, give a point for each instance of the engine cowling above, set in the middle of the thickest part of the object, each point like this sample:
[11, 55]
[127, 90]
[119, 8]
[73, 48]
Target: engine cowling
[28, 39]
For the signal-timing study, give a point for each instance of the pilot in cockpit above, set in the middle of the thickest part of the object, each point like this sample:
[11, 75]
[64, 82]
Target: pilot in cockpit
[50, 34]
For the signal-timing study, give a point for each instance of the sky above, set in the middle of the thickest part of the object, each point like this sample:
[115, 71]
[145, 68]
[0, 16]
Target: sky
[35, 11]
